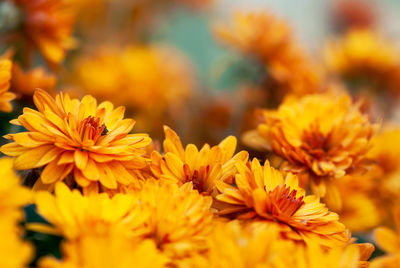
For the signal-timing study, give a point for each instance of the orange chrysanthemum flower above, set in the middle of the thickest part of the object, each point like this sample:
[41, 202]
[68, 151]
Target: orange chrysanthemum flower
[5, 77]
[264, 193]
[269, 39]
[80, 138]
[47, 24]
[202, 168]
[24, 83]
[322, 137]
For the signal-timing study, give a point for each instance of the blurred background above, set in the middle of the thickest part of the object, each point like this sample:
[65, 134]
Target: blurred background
[168, 63]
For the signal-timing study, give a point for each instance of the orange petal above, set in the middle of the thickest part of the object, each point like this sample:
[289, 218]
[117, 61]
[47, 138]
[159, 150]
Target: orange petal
[106, 177]
[32, 157]
[80, 178]
[91, 171]
[53, 172]
[81, 159]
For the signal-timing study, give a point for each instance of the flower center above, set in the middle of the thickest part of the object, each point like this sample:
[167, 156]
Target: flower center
[198, 177]
[284, 201]
[316, 143]
[90, 129]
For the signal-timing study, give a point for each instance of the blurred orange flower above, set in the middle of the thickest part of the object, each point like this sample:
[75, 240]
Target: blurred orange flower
[361, 208]
[24, 83]
[363, 59]
[47, 25]
[5, 76]
[270, 40]
[386, 152]
[354, 14]
[145, 78]
[151, 81]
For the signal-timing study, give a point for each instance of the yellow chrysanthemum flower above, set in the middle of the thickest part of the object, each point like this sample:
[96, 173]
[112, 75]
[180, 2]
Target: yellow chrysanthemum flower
[359, 212]
[235, 246]
[180, 218]
[176, 219]
[313, 256]
[389, 241]
[47, 25]
[269, 39]
[321, 136]
[108, 250]
[5, 76]
[73, 215]
[13, 251]
[362, 55]
[202, 168]
[12, 195]
[99, 231]
[260, 245]
[264, 193]
[89, 141]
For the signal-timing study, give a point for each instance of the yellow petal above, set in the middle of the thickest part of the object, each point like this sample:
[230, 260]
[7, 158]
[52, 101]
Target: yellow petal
[387, 239]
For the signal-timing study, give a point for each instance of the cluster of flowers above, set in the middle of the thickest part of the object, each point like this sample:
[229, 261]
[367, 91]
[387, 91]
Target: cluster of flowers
[189, 206]
[326, 165]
